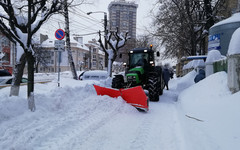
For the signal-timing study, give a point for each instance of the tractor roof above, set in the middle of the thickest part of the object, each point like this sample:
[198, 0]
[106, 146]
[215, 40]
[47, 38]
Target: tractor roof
[140, 50]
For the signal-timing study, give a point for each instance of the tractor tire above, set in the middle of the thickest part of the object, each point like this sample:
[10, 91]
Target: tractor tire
[153, 88]
[118, 82]
[161, 86]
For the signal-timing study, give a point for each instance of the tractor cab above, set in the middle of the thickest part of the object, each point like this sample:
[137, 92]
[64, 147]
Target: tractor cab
[142, 57]
[141, 61]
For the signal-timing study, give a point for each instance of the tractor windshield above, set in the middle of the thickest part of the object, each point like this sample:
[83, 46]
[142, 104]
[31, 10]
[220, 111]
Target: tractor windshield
[138, 59]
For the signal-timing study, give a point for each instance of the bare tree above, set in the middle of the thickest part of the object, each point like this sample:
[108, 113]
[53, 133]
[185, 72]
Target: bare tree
[116, 41]
[41, 56]
[20, 20]
[146, 40]
[182, 25]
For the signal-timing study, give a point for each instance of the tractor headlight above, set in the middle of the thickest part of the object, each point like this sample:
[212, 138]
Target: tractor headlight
[152, 63]
[131, 78]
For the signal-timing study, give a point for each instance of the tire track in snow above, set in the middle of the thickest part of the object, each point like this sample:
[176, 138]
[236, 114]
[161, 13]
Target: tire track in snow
[159, 128]
[142, 134]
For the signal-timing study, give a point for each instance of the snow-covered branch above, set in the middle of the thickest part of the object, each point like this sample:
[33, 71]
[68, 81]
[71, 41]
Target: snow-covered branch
[115, 40]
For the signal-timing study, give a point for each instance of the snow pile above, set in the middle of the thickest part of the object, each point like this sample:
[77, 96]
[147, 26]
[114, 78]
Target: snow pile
[234, 18]
[186, 81]
[211, 114]
[234, 45]
[213, 56]
[57, 108]
[194, 64]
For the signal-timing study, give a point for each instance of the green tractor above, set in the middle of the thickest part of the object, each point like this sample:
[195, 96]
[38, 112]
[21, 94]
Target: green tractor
[141, 71]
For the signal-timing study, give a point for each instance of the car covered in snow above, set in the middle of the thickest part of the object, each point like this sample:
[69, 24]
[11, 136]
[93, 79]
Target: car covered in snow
[93, 75]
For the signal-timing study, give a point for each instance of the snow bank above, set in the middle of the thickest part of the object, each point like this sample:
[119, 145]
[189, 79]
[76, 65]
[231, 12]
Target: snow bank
[234, 18]
[186, 81]
[78, 102]
[234, 45]
[194, 64]
[211, 112]
[213, 56]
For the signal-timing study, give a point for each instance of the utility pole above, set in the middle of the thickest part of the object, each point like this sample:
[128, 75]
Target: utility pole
[68, 46]
[105, 38]
[105, 34]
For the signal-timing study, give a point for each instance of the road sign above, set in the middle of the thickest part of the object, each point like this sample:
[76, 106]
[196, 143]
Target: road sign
[59, 34]
[59, 45]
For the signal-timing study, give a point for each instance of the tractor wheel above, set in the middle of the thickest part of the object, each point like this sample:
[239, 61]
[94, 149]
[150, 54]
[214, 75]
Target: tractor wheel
[160, 86]
[118, 82]
[153, 88]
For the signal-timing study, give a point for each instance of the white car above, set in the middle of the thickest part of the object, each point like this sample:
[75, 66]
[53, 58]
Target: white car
[7, 81]
[93, 75]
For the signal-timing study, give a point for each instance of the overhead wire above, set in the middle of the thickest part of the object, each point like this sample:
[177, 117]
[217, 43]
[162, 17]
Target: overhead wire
[76, 25]
[84, 17]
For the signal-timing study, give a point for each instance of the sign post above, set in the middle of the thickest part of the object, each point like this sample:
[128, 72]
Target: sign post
[59, 46]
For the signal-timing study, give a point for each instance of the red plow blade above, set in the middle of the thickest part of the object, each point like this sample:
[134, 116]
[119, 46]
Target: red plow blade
[134, 96]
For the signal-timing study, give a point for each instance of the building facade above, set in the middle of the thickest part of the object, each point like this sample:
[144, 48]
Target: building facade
[7, 53]
[123, 15]
[85, 56]
[95, 55]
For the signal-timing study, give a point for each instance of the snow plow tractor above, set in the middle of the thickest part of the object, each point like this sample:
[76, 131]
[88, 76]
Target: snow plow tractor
[141, 71]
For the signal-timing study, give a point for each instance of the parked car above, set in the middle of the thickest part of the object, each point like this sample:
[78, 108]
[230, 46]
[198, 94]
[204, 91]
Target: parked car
[7, 81]
[93, 75]
[4, 73]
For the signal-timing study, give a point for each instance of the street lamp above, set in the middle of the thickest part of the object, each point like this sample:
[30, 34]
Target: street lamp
[105, 32]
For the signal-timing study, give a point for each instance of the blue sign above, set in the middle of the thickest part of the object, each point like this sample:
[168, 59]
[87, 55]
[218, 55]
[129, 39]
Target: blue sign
[59, 34]
[214, 42]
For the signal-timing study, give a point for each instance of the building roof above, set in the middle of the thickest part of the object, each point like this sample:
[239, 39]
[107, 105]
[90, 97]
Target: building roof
[74, 43]
[122, 2]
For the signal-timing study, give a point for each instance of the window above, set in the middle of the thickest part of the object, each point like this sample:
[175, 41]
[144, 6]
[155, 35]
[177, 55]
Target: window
[94, 63]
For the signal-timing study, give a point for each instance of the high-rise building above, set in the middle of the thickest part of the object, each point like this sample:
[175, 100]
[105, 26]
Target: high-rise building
[123, 14]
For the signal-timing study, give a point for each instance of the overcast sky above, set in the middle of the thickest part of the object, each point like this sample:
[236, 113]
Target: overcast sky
[82, 24]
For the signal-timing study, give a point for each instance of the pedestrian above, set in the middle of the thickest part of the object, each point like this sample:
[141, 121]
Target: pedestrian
[166, 76]
[199, 76]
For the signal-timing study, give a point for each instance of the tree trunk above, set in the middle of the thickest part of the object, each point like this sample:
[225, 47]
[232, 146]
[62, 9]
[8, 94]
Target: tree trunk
[191, 22]
[209, 14]
[30, 61]
[18, 73]
[110, 62]
[68, 46]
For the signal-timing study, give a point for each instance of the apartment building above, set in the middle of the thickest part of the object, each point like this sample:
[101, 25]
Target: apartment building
[123, 14]
[7, 53]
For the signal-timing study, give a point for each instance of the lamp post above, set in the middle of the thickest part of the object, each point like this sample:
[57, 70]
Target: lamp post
[105, 32]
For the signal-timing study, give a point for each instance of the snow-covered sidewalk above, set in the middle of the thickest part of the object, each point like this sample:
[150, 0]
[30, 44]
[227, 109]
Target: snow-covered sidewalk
[74, 117]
